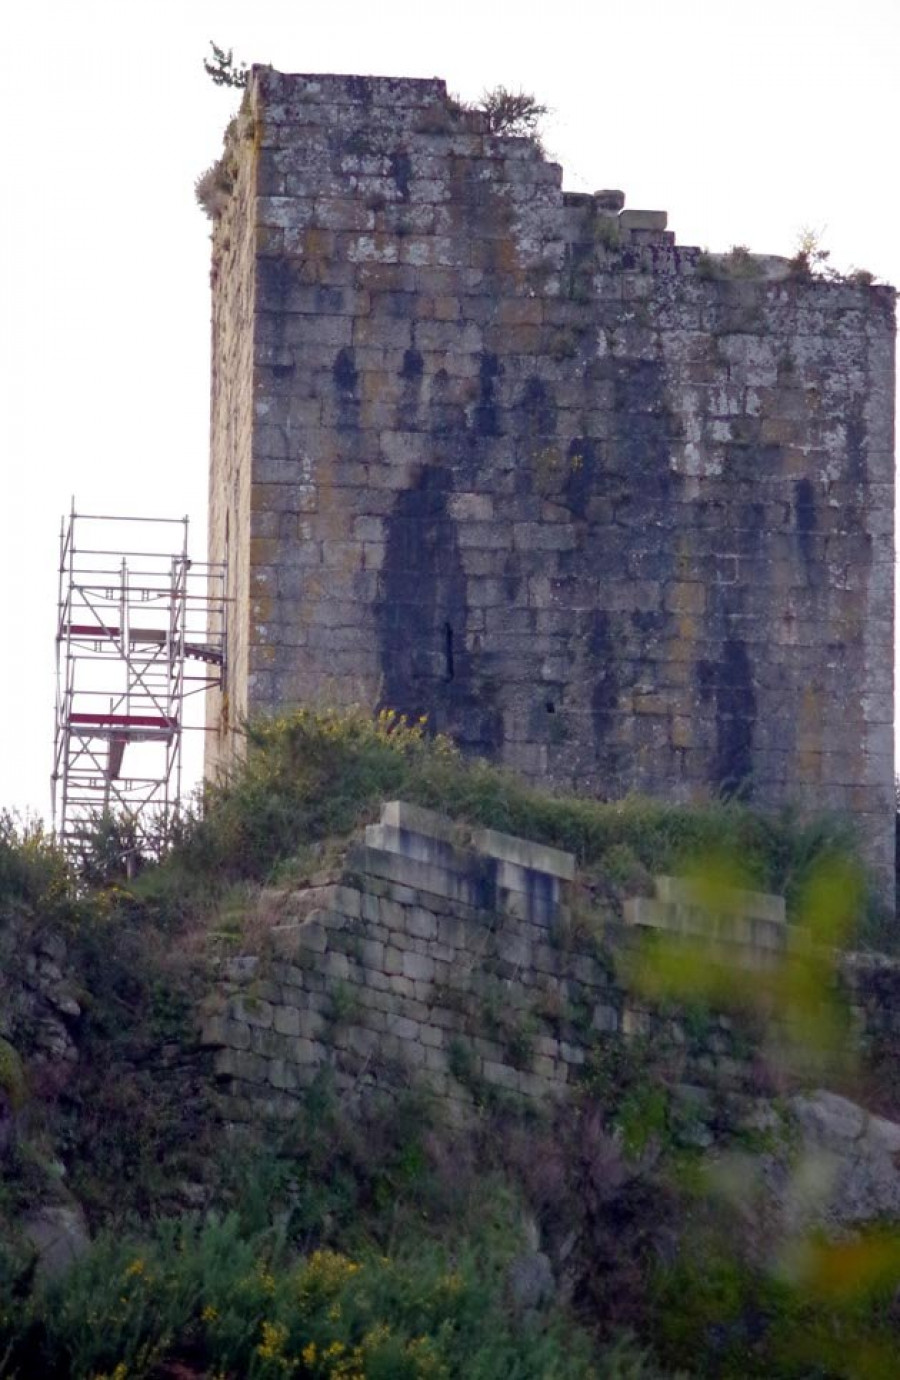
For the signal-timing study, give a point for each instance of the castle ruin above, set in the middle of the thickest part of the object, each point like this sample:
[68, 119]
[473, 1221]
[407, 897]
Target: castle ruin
[609, 510]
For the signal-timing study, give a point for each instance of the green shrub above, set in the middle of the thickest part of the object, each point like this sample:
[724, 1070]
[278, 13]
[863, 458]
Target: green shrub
[33, 870]
[12, 1075]
[314, 774]
[727, 1317]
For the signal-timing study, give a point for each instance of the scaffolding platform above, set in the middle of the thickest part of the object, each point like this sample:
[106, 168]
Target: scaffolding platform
[140, 627]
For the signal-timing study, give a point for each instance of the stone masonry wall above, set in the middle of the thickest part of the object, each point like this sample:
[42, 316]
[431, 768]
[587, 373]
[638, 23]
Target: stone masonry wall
[614, 512]
[231, 421]
[463, 962]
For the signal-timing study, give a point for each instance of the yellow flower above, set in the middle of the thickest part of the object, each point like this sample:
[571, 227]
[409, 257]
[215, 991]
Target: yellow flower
[273, 1339]
[210, 1313]
[309, 1354]
[136, 1268]
[326, 1272]
[376, 1337]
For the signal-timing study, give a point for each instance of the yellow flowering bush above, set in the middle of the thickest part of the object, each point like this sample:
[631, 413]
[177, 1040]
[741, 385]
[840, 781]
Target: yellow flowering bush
[256, 1312]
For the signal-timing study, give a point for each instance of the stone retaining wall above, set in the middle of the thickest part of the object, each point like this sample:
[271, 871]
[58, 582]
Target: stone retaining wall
[464, 960]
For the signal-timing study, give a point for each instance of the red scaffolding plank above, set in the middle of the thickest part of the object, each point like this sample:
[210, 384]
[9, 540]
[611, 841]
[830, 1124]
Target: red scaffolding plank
[96, 631]
[124, 720]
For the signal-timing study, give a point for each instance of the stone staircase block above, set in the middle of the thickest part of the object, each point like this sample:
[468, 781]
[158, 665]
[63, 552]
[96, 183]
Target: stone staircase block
[536, 857]
[757, 905]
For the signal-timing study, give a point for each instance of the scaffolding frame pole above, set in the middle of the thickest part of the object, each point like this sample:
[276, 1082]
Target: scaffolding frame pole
[129, 617]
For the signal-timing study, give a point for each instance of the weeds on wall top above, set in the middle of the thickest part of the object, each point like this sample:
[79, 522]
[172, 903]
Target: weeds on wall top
[517, 114]
[812, 260]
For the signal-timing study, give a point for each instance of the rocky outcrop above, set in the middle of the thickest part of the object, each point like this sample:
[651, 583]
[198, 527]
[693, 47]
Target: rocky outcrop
[849, 1162]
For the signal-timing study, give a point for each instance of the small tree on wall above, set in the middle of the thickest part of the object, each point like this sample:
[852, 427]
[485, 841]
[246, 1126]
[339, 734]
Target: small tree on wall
[223, 70]
[512, 112]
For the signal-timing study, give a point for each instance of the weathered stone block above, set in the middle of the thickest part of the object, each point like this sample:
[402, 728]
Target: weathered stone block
[289, 940]
[732, 901]
[336, 965]
[286, 1020]
[418, 967]
[251, 1011]
[424, 877]
[282, 1075]
[268, 1043]
[501, 1075]
[423, 924]
[403, 1028]
[605, 1018]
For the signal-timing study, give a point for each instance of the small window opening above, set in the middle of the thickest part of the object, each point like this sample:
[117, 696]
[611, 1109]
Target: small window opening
[550, 707]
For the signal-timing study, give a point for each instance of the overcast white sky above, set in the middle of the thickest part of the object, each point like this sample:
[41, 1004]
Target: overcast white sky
[746, 122]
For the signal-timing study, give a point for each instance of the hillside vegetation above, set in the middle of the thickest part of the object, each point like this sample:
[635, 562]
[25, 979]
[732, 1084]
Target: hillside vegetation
[368, 1238]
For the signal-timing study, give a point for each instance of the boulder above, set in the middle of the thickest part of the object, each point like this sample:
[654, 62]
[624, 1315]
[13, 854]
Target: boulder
[857, 1155]
[58, 1234]
[530, 1282]
[828, 1165]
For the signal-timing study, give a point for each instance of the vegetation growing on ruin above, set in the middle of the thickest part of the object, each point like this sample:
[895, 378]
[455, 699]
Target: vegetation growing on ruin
[223, 70]
[311, 775]
[517, 113]
[374, 1240]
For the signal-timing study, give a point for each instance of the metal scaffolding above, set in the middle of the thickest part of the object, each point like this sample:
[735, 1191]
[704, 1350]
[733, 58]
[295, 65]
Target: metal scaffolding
[140, 628]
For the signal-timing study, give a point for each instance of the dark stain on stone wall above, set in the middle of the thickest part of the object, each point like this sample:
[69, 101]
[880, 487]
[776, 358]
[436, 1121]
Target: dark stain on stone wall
[412, 366]
[538, 408]
[857, 456]
[644, 426]
[805, 519]
[274, 290]
[630, 472]
[603, 669]
[728, 684]
[346, 384]
[401, 171]
[344, 370]
[446, 414]
[360, 89]
[421, 620]
[274, 284]
[486, 416]
[581, 474]
[409, 402]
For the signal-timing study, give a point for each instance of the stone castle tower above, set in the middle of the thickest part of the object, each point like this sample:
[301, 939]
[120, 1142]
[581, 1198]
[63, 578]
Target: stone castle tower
[609, 510]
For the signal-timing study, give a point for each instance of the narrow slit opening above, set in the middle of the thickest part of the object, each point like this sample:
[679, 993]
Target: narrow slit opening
[448, 652]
